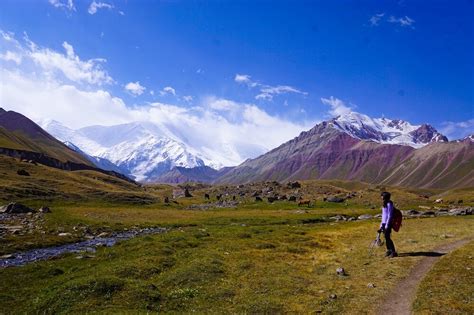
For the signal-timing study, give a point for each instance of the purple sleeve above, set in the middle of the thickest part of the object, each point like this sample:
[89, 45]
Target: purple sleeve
[389, 214]
[384, 216]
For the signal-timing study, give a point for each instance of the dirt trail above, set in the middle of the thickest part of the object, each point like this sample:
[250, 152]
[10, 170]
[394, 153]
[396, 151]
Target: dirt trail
[399, 300]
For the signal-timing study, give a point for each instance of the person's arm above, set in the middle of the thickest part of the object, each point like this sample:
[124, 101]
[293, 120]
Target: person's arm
[389, 215]
[384, 219]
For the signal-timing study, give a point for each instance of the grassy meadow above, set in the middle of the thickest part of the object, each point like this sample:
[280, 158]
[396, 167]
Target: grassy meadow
[253, 257]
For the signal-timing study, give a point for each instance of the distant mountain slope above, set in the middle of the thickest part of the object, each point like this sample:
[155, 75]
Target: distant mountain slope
[19, 132]
[438, 165]
[202, 174]
[327, 152]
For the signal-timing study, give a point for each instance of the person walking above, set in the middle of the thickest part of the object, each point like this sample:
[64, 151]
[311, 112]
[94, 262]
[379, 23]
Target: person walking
[386, 224]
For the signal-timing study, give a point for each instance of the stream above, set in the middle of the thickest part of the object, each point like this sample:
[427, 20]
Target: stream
[23, 258]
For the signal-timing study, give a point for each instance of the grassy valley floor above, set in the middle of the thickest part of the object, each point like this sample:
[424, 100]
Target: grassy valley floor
[227, 261]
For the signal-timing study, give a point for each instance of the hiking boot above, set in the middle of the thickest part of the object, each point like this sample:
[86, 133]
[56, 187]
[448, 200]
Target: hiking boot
[388, 253]
[394, 254]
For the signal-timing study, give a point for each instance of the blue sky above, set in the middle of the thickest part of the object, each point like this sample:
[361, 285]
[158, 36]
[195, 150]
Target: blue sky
[412, 60]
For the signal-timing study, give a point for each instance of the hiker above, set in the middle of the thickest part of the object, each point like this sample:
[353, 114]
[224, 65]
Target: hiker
[386, 224]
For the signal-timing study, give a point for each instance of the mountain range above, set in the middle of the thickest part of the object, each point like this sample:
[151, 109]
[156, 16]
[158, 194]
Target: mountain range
[350, 147]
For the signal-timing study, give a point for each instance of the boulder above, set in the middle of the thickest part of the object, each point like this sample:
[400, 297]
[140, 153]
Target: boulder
[335, 199]
[16, 208]
[44, 210]
[22, 173]
[461, 211]
[187, 194]
[294, 185]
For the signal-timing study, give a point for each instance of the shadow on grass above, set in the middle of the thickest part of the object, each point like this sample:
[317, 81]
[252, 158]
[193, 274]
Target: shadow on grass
[415, 254]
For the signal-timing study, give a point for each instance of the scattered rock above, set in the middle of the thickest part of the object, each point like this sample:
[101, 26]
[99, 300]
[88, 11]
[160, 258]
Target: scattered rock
[438, 200]
[44, 210]
[457, 211]
[365, 217]
[22, 173]
[292, 198]
[258, 198]
[103, 234]
[16, 208]
[64, 234]
[333, 296]
[371, 285]
[187, 194]
[271, 199]
[294, 185]
[335, 199]
[7, 256]
[341, 272]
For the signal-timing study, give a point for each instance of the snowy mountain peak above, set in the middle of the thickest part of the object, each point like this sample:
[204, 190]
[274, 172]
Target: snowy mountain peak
[384, 130]
[468, 139]
[142, 150]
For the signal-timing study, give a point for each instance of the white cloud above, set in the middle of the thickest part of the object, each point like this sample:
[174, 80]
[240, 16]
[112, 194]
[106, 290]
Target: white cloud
[168, 90]
[188, 98]
[135, 88]
[267, 92]
[70, 65]
[457, 130]
[66, 4]
[11, 56]
[38, 97]
[338, 108]
[402, 21]
[217, 127]
[224, 128]
[53, 63]
[375, 19]
[94, 6]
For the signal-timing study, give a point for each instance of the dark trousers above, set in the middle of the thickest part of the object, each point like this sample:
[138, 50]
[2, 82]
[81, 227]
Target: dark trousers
[388, 240]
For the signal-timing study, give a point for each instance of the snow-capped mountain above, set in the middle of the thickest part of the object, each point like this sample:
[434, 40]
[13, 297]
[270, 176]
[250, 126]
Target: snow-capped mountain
[140, 149]
[469, 138]
[383, 130]
[146, 150]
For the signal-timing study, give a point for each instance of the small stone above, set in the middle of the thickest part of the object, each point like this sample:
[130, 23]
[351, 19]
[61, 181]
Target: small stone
[44, 210]
[333, 296]
[7, 256]
[103, 234]
[371, 285]
[64, 234]
[340, 271]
